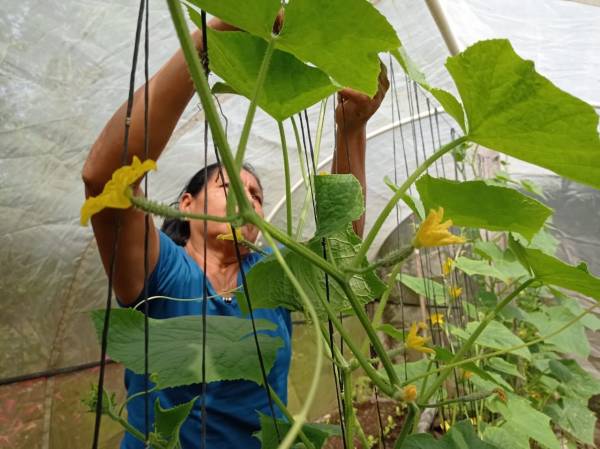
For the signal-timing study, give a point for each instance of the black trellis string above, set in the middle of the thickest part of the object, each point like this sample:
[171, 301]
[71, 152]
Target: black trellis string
[337, 377]
[106, 324]
[203, 411]
[146, 230]
[241, 268]
[427, 259]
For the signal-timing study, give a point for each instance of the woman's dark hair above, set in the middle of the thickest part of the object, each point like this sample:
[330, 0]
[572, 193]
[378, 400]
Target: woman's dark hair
[179, 230]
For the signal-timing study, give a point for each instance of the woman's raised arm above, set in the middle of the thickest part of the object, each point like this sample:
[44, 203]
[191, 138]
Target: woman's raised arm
[170, 90]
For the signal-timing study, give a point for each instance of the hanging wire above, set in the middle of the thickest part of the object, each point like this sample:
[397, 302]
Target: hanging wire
[107, 309]
[203, 411]
[146, 230]
[337, 375]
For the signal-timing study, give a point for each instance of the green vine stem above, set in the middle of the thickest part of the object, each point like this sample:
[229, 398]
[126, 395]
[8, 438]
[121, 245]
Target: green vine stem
[288, 187]
[312, 391]
[372, 334]
[408, 425]
[203, 90]
[471, 340]
[394, 258]
[156, 208]
[290, 418]
[378, 315]
[132, 430]
[260, 81]
[348, 411]
[370, 238]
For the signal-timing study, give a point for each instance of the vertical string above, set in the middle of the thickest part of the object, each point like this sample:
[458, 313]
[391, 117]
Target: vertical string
[146, 230]
[107, 309]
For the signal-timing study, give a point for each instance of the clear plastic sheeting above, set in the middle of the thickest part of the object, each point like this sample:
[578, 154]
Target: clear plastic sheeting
[64, 69]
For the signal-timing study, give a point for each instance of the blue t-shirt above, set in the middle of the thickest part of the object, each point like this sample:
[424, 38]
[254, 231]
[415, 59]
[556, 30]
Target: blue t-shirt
[231, 405]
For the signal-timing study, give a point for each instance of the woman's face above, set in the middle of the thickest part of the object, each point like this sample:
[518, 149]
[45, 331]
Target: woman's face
[214, 192]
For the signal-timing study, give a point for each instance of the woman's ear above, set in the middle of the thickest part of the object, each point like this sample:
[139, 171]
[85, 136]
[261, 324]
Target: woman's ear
[185, 203]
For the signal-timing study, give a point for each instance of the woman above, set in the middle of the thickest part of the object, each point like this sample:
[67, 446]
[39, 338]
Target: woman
[177, 255]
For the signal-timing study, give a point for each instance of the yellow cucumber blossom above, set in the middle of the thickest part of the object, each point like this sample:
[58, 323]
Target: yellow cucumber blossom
[455, 292]
[410, 393]
[415, 341]
[447, 266]
[229, 235]
[437, 318]
[114, 193]
[433, 232]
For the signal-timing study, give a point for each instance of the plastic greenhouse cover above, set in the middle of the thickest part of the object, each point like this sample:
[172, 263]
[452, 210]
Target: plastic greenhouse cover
[64, 69]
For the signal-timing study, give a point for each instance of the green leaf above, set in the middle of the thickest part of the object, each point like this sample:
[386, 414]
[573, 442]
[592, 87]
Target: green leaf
[410, 67]
[390, 330]
[168, 422]
[448, 101]
[414, 204]
[278, 291]
[504, 437]
[501, 365]
[340, 37]
[543, 240]
[223, 88]
[451, 105]
[591, 321]
[461, 435]
[290, 85]
[575, 417]
[175, 352]
[478, 205]
[256, 16]
[523, 419]
[570, 340]
[497, 336]
[339, 201]
[574, 379]
[512, 109]
[553, 271]
[317, 434]
[503, 260]
[424, 287]
[478, 267]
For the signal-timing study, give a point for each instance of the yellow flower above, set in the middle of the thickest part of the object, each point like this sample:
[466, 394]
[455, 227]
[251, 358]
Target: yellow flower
[446, 426]
[447, 266]
[410, 393]
[433, 232]
[455, 292]
[467, 374]
[416, 342]
[114, 193]
[229, 235]
[422, 325]
[437, 318]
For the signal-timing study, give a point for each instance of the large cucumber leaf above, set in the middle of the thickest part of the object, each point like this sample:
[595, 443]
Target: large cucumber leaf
[255, 16]
[339, 201]
[523, 420]
[175, 352]
[290, 85]
[279, 291]
[513, 109]
[168, 422]
[424, 287]
[553, 271]
[341, 37]
[479, 205]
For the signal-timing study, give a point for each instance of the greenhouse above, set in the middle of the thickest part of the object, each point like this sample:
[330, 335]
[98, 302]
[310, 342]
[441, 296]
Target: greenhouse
[300, 224]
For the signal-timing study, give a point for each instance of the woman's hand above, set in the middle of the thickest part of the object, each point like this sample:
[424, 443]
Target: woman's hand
[354, 109]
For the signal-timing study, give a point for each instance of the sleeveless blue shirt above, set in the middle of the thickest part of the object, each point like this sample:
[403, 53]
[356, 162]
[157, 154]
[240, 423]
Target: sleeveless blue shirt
[232, 406]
